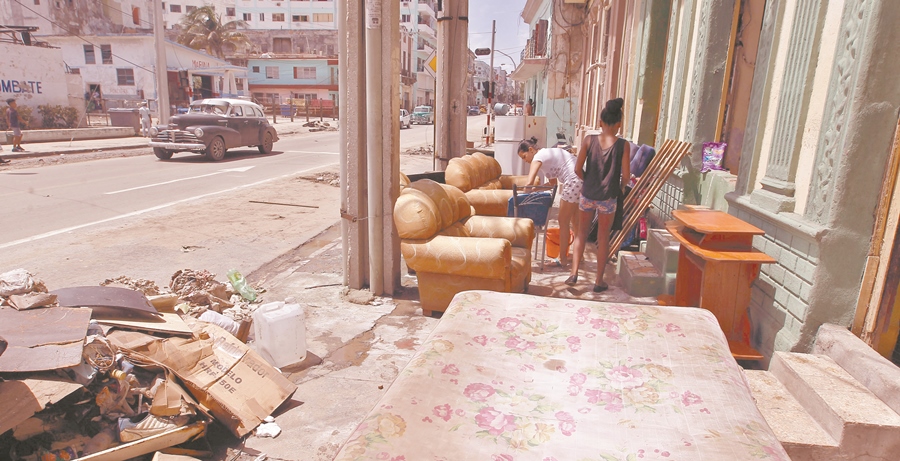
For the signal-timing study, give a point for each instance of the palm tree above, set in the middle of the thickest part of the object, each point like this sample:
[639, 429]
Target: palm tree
[202, 29]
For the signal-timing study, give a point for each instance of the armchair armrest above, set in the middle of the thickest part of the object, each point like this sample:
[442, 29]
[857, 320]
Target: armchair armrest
[521, 180]
[471, 256]
[519, 231]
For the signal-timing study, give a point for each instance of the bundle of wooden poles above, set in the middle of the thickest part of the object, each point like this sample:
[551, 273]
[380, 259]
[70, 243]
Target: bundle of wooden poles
[651, 181]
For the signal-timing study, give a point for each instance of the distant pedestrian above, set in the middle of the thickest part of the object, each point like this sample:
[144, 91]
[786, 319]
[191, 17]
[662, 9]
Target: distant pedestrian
[2, 161]
[12, 120]
[145, 120]
[529, 108]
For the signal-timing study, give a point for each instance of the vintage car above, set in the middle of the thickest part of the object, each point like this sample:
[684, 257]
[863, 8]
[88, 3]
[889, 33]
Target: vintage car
[404, 119]
[423, 115]
[211, 127]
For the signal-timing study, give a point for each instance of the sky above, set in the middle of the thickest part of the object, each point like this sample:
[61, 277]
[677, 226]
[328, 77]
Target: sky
[512, 31]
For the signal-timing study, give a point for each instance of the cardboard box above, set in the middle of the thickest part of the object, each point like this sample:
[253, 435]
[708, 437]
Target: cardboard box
[226, 377]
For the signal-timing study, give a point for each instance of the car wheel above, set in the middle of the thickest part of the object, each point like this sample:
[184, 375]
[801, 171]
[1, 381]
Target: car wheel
[215, 151]
[266, 147]
[162, 154]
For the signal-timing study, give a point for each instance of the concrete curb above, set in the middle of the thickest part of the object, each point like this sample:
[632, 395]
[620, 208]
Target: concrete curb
[6, 154]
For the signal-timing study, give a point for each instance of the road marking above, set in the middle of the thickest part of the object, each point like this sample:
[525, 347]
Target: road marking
[242, 169]
[154, 208]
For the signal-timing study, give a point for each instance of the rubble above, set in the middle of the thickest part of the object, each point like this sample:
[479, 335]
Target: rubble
[98, 382]
[426, 150]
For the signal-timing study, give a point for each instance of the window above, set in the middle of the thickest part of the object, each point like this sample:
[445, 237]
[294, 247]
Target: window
[323, 17]
[236, 111]
[189, 8]
[136, 15]
[262, 16]
[89, 57]
[106, 53]
[125, 77]
[281, 45]
[404, 18]
[255, 69]
[239, 83]
[306, 73]
[278, 17]
[247, 17]
[271, 72]
[175, 8]
[37, 2]
[300, 18]
[229, 11]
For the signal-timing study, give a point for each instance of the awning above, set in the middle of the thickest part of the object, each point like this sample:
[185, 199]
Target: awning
[528, 68]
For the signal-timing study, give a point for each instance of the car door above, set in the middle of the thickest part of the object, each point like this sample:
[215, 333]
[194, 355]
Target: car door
[238, 123]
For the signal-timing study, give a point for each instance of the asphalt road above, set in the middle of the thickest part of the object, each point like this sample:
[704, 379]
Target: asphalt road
[80, 223]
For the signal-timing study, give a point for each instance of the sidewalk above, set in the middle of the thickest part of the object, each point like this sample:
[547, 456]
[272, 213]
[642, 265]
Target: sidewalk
[284, 127]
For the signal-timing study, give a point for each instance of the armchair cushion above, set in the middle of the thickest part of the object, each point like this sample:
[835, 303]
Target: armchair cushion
[452, 251]
[480, 178]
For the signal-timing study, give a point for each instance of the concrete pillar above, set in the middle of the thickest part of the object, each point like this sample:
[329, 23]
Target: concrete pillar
[759, 97]
[383, 139]
[452, 77]
[854, 145]
[352, 107]
[652, 54]
[777, 194]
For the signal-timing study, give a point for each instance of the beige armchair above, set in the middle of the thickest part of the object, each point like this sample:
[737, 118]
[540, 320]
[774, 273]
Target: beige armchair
[453, 251]
[480, 178]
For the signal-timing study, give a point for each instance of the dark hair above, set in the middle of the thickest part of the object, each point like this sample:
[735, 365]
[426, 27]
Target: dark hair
[612, 113]
[527, 144]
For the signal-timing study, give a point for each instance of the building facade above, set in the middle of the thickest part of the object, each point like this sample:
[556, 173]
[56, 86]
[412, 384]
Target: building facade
[274, 81]
[805, 95]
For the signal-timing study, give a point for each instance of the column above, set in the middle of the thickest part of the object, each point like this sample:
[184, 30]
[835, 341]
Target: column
[777, 193]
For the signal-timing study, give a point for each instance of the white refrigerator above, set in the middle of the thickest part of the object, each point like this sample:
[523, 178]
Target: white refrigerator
[509, 132]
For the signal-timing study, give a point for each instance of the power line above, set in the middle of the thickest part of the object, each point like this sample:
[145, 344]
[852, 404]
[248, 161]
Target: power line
[78, 36]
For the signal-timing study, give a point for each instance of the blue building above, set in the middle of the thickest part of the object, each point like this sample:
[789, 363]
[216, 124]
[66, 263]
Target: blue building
[274, 80]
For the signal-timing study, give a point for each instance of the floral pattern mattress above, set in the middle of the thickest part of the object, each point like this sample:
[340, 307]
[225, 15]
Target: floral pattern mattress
[512, 377]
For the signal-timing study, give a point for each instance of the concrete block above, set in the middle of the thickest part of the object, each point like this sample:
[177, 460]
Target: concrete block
[620, 259]
[662, 250]
[864, 426]
[669, 283]
[639, 277]
[792, 283]
[788, 260]
[877, 373]
[800, 247]
[802, 438]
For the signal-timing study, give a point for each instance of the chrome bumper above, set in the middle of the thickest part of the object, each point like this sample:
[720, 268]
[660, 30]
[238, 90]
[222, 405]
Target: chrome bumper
[177, 145]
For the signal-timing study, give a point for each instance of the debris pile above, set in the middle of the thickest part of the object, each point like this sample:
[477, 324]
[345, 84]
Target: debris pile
[316, 125]
[122, 369]
[426, 150]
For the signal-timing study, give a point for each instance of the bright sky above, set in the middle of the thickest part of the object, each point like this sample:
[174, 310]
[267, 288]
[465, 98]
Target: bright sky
[512, 31]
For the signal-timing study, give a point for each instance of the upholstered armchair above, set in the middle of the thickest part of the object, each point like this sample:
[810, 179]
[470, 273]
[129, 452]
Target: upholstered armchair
[453, 251]
[480, 178]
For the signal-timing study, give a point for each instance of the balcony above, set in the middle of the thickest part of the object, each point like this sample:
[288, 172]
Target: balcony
[407, 77]
[426, 7]
[534, 60]
[424, 48]
[427, 31]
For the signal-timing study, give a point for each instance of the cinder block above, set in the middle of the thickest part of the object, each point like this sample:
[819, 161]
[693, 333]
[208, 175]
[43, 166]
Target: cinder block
[668, 281]
[639, 277]
[620, 259]
[662, 250]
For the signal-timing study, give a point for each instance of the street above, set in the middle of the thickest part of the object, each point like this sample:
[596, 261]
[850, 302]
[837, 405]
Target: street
[80, 223]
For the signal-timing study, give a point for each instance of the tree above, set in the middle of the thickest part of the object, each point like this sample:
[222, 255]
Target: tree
[203, 29]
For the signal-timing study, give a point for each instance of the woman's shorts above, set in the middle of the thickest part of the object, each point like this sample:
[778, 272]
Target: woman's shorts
[602, 206]
[571, 190]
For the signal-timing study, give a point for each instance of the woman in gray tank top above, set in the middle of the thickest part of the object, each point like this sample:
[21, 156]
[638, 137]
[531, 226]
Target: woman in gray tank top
[603, 164]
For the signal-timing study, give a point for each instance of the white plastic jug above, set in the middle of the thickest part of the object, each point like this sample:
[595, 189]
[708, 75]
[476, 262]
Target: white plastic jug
[280, 331]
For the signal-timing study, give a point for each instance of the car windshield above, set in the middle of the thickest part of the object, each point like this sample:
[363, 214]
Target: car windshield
[422, 109]
[207, 108]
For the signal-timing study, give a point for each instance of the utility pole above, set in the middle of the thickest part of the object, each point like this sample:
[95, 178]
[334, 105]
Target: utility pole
[162, 71]
[452, 76]
[490, 108]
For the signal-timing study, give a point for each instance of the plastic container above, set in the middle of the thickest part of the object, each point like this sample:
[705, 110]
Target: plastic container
[241, 286]
[553, 241]
[280, 332]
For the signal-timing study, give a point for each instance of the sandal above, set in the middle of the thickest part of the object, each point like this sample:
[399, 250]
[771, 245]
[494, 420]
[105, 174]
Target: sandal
[555, 262]
[572, 280]
[600, 287]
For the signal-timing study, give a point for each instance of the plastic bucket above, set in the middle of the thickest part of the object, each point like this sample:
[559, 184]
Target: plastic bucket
[553, 241]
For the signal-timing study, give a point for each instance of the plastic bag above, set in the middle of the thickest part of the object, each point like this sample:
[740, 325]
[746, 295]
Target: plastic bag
[713, 156]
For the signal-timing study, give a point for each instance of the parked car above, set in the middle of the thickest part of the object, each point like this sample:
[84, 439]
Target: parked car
[473, 110]
[423, 115]
[404, 119]
[211, 127]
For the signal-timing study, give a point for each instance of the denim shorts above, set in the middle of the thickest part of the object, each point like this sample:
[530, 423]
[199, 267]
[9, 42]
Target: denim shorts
[602, 206]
